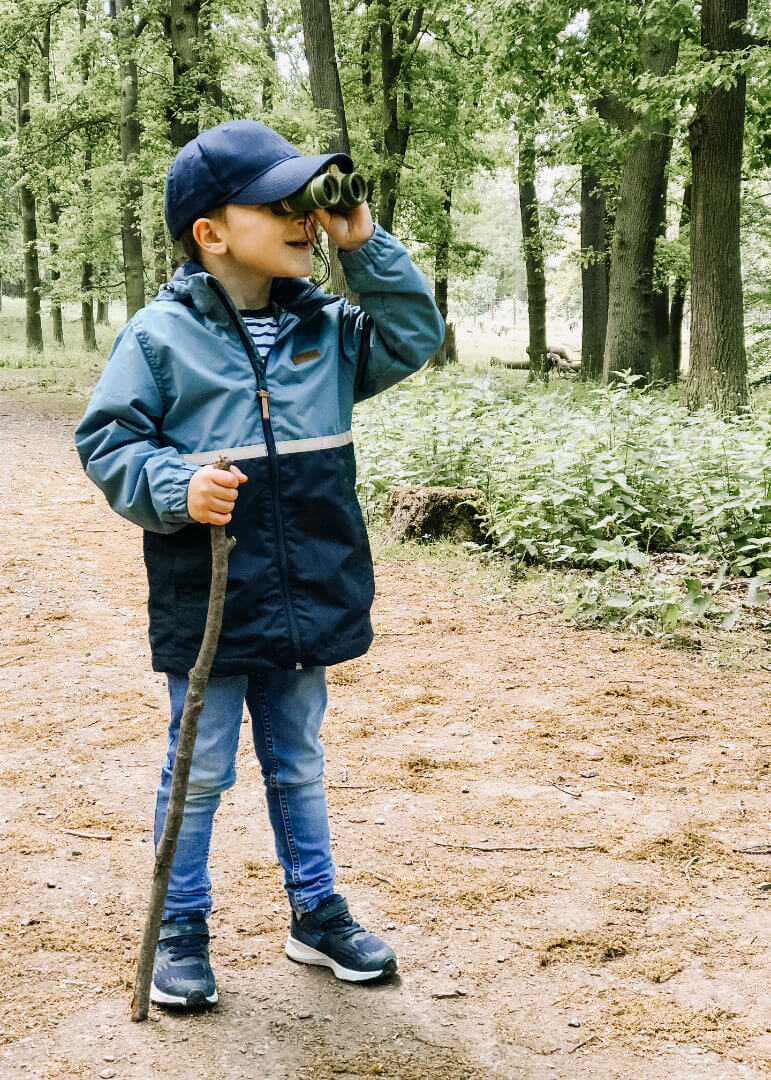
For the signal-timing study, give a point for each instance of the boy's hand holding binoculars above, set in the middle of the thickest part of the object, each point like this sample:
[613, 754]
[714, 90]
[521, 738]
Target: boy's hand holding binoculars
[349, 229]
[212, 493]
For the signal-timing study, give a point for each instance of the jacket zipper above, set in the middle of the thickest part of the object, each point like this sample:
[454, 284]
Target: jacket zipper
[263, 395]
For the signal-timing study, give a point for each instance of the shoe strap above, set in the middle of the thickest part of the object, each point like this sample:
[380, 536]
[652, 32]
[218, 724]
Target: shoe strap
[332, 910]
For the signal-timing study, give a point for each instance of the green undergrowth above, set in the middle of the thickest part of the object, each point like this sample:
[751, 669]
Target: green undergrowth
[652, 515]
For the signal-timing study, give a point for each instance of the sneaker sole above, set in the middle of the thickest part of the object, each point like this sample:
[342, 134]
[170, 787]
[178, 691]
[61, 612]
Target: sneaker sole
[195, 999]
[304, 954]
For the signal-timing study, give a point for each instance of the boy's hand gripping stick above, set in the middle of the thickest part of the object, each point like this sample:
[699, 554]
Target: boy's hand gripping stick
[198, 676]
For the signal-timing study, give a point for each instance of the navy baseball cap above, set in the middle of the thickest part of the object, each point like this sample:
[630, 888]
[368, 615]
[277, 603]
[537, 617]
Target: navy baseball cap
[237, 162]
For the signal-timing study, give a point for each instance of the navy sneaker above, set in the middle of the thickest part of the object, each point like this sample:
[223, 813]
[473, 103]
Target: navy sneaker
[330, 937]
[181, 972]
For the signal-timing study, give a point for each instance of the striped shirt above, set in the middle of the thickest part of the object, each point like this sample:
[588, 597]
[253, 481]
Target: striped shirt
[261, 324]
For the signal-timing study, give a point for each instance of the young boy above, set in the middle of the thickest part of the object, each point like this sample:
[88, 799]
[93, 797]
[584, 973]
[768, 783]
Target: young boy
[239, 354]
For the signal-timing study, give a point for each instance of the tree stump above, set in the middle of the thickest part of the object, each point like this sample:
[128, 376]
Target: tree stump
[460, 514]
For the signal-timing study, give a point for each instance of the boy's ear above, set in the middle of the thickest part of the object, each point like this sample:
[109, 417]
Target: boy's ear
[208, 234]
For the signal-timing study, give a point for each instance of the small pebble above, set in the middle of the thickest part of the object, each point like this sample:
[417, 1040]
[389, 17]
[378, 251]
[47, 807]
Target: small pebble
[765, 886]
[588, 775]
[51, 884]
[304, 1015]
[109, 1057]
[501, 959]
[76, 851]
[574, 1023]
[379, 821]
[391, 926]
[107, 1074]
[465, 790]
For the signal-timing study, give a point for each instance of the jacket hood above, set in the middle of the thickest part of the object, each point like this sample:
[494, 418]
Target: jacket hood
[192, 284]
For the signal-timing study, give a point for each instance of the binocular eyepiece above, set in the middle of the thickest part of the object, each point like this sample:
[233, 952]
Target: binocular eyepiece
[331, 190]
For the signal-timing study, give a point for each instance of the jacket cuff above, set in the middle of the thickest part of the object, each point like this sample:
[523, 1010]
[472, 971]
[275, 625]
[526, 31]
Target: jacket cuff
[175, 498]
[379, 246]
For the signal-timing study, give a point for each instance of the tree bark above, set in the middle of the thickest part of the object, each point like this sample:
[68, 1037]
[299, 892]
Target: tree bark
[679, 292]
[54, 210]
[160, 259]
[718, 362]
[182, 28]
[270, 49]
[630, 339]
[532, 245]
[367, 44]
[319, 38]
[103, 312]
[32, 320]
[397, 120]
[662, 367]
[447, 352]
[131, 229]
[87, 267]
[594, 274]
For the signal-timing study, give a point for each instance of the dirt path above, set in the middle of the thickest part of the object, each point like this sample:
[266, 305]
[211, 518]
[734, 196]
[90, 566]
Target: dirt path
[618, 934]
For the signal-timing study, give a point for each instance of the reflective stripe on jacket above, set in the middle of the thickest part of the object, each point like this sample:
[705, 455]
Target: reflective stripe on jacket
[182, 384]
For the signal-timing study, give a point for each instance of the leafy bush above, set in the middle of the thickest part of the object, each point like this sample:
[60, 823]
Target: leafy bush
[578, 475]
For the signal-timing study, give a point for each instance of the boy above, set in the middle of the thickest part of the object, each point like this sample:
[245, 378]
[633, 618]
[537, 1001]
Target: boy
[239, 354]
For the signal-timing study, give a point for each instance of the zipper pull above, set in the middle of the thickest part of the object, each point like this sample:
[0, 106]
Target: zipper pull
[263, 395]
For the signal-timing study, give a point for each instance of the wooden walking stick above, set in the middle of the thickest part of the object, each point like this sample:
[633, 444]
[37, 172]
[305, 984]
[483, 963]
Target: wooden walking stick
[221, 546]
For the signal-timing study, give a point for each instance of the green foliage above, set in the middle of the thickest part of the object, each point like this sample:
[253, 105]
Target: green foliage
[576, 476]
[650, 601]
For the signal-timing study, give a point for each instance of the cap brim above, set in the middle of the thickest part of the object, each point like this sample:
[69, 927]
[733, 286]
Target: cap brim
[288, 176]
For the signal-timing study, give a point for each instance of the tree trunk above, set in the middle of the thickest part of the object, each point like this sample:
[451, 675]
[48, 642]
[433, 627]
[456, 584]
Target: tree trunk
[630, 339]
[717, 371]
[319, 41]
[594, 275]
[33, 322]
[447, 352]
[103, 312]
[367, 42]
[160, 259]
[397, 122]
[532, 245]
[131, 230]
[270, 49]
[679, 291]
[662, 368]
[54, 210]
[182, 27]
[87, 267]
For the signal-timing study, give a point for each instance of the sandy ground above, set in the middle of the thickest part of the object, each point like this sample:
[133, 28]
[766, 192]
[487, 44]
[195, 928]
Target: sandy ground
[543, 822]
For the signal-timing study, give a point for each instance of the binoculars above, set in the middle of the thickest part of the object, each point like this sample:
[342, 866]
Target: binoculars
[331, 190]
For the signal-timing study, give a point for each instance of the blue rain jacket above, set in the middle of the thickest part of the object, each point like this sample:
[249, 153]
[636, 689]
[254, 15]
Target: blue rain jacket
[184, 383]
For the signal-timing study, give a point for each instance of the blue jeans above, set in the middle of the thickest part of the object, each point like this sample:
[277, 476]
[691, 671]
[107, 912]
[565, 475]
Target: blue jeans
[286, 709]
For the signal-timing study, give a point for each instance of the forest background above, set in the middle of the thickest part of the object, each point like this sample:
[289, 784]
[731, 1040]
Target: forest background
[587, 186]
